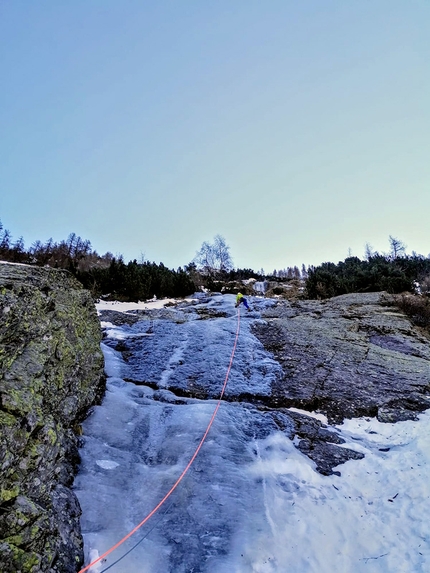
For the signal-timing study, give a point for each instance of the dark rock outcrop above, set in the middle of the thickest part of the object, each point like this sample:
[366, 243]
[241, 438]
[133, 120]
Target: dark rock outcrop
[321, 444]
[51, 372]
[352, 355]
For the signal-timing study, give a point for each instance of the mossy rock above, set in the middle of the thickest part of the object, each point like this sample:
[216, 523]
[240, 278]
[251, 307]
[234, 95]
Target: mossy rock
[51, 373]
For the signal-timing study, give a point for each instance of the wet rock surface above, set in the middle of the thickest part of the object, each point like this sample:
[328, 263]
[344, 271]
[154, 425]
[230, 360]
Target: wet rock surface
[51, 372]
[353, 355]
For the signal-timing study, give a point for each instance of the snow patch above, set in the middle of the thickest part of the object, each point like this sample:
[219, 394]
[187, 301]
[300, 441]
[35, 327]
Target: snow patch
[317, 415]
[94, 554]
[128, 306]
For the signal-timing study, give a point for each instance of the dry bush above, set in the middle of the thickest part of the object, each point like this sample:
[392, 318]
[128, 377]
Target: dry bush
[417, 307]
[290, 290]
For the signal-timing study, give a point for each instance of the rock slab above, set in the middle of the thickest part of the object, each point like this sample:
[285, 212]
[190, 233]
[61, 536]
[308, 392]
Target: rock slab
[51, 372]
[349, 356]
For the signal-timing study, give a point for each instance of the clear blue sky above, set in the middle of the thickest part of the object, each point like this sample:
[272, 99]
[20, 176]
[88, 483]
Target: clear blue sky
[297, 130]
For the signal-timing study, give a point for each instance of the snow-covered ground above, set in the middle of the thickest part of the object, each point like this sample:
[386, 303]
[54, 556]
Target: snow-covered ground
[127, 306]
[251, 501]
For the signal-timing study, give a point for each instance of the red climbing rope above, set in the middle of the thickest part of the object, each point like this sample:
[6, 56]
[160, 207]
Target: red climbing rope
[175, 485]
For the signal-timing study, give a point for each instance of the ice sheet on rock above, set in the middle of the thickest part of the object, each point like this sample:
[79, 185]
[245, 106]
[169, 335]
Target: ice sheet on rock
[121, 333]
[152, 442]
[107, 464]
[251, 502]
[192, 356]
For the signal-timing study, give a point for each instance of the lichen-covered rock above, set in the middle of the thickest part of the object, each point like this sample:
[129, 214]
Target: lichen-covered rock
[51, 372]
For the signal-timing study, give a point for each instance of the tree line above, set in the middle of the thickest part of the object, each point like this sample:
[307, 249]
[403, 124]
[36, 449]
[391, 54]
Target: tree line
[104, 275]
[109, 276]
[137, 281]
[394, 272]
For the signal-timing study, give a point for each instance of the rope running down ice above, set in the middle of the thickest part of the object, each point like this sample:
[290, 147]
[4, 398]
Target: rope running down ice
[175, 485]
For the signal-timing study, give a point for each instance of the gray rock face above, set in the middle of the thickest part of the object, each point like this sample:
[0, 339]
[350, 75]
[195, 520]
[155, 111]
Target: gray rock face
[51, 372]
[351, 355]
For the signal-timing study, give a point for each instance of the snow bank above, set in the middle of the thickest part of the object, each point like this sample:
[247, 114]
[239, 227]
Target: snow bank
[127, 306]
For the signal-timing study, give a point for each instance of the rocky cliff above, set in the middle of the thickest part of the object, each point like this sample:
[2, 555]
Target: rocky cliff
[51, 372]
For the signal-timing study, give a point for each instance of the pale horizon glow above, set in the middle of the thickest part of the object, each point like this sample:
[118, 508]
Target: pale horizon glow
[298, 131]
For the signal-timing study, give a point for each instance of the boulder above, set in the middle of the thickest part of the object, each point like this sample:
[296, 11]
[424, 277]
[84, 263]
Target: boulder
[51, 372]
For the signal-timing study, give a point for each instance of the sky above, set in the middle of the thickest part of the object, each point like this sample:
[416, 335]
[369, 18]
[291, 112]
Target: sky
[299, 131]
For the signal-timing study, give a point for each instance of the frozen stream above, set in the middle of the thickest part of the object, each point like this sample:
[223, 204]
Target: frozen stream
[251, 502]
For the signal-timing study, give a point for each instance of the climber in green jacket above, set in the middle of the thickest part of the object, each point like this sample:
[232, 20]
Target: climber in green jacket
[240, 298]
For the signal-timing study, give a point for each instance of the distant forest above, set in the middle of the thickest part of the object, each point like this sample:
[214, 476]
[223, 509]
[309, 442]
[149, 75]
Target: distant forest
[110, 277]
[104, 275]
[394, 272]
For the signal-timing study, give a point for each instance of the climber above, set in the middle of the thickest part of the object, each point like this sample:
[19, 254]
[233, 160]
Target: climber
[240, 298]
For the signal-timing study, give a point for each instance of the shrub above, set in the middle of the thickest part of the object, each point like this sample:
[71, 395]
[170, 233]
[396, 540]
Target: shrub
[378, 273]
[417, 307]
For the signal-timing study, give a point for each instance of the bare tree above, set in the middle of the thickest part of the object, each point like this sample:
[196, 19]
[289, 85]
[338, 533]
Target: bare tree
[304, 272]
[18, 250]
[5, 240]
[214, 259]
[368, 251]
[397, 247]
